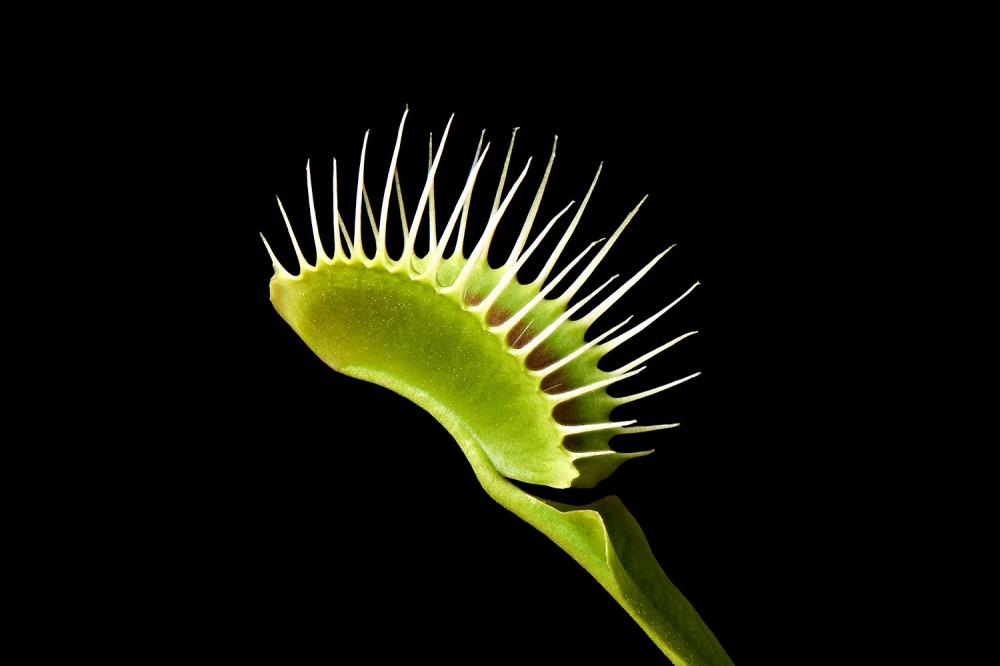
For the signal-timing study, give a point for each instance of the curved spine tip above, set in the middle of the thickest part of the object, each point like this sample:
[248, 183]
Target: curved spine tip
[645, 357]
[358, 199]
[320, 252]
[622, 290]
[634, 430]
[278, 268]
[653, 391]
[624, 337]
[380, 252]
[593, 427]
[295, 243]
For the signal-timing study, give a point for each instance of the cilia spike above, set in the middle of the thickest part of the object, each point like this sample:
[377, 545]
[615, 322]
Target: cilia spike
[501, 364]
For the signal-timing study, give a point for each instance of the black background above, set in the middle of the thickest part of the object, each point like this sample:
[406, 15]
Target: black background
[305, 511]
[207, 486]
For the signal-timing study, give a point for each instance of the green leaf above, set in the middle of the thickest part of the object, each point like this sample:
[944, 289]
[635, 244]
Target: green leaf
[605, 539]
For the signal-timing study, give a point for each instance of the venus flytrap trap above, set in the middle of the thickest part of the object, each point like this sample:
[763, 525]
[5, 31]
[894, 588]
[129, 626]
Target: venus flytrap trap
[503, 366]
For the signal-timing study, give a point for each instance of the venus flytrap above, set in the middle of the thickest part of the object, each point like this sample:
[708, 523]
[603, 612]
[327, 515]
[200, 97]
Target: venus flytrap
[502, 365]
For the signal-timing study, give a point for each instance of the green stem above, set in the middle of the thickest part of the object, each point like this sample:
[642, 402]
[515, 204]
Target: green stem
[607, 541]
